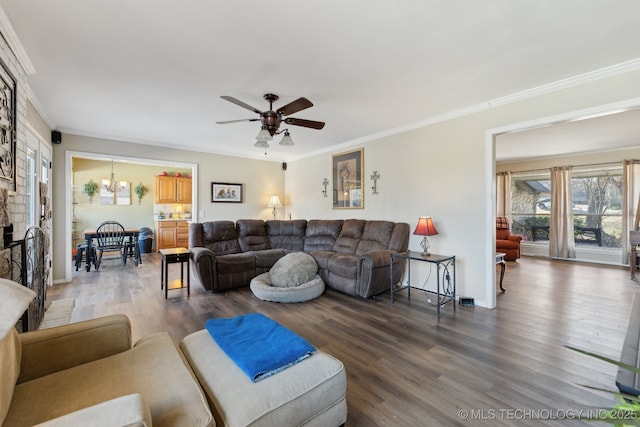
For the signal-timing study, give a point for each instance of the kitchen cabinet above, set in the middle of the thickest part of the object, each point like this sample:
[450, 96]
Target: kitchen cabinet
[172, 234]
[172, 189]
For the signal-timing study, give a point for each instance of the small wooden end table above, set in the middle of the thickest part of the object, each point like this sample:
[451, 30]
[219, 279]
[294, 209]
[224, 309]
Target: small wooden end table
[174, 256]
[503, 266]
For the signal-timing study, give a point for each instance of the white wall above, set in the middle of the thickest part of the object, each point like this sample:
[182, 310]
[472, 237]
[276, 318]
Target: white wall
[446, 170]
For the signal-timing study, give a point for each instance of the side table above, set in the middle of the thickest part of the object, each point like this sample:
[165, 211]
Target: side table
[503, 266]
[444, 263]
[173, 256]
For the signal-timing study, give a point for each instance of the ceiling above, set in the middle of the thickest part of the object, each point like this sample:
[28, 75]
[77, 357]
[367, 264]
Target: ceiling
[607, 132]
[153, 71]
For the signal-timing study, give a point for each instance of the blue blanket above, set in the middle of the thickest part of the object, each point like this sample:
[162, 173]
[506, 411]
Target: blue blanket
[258, 345]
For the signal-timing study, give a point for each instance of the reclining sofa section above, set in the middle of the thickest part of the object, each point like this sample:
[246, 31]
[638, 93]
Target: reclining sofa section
[353, 255]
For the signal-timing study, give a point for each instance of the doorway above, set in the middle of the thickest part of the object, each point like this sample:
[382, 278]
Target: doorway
[497, 151]
[69, 194]
[38, 188]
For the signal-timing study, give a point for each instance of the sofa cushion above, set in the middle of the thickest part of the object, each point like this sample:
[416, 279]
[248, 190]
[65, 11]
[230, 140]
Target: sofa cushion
[312, 392]
[344, 265]
[218, 236]
[375, 236]
[321, 235]
[252, 235]
[502, 233]
[153, 368]
[350, 235]
[507, 244]
[293, 269]
[502, 223]
[235, 270]
[130, 411]
[288, 235]
[322, 258]
[266, 258]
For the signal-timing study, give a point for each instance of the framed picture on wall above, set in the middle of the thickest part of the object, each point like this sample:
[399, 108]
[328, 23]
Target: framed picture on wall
[7, 125]
[224, 192]
[348, 176]
[123, 195]
[106, 197]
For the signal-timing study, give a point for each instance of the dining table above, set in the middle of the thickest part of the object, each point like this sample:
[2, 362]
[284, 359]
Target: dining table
[130, 233]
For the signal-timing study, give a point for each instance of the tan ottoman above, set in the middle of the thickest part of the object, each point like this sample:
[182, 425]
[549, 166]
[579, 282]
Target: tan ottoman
[310, 393]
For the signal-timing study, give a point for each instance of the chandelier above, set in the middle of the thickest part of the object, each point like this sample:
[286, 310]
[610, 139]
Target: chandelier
[111, 185]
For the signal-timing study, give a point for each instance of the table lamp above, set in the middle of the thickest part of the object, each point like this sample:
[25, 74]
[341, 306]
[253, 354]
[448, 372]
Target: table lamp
[425, 228]
[274, 203]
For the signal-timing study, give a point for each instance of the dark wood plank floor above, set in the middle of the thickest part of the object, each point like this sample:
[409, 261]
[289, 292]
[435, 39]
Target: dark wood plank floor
[508, 366]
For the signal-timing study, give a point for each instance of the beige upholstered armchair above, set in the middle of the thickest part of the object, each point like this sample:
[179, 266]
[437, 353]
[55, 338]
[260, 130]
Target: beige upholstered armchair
[88, 373]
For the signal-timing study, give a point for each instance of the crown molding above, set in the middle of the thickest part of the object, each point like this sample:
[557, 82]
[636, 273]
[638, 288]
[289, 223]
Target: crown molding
[592, 76]
[580, 79]
[15, 44]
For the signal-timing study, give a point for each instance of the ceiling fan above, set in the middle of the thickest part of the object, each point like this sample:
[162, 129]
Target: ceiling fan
[271, 119]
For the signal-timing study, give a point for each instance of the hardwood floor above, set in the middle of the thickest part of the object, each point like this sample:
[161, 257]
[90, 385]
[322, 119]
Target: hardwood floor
[504, 367]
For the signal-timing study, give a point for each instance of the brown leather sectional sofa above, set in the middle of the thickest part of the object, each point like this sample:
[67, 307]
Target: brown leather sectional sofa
[353, 255]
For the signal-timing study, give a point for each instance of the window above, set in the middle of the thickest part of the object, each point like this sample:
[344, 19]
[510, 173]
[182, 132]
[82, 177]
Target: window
[597, 206]
[531, 205]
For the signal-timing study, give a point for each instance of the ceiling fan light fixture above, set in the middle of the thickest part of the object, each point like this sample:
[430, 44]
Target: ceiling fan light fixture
[261, 144]
[287, 141]
[264, 135]
[271, 119]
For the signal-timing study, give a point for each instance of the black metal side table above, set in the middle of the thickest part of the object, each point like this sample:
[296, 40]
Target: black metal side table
[445, 272]
[503, 266]
[174, 256]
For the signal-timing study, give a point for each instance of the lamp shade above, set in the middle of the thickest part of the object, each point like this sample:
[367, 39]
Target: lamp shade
[286, 140]
[425, 227]
[274, 202]
[264, 135]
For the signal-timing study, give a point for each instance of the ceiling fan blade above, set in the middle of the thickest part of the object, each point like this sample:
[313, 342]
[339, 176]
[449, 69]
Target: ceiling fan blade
[306, 123]
[295, 106]
[240, 103]
[236, 121]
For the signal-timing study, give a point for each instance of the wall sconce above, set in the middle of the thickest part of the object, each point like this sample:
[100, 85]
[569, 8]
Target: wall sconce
[375, 176]
[325, 183]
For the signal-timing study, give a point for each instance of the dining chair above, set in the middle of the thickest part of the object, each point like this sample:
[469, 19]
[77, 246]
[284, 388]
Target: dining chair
[132, 250]
[111, 238]
[86, 253]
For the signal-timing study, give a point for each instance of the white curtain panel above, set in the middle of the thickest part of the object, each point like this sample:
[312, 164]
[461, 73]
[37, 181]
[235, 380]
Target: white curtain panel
[503, 194]
[630, 198]
[561, 243]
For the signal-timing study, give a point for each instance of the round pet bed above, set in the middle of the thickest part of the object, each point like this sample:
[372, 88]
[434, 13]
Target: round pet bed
[293, 278]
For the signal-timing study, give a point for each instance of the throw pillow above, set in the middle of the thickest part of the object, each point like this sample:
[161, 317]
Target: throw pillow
[293, 269]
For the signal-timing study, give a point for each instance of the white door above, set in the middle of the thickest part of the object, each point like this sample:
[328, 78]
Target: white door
[38, 171]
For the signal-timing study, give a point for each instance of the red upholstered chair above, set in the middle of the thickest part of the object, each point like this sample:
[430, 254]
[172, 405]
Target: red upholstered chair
[505, 241]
